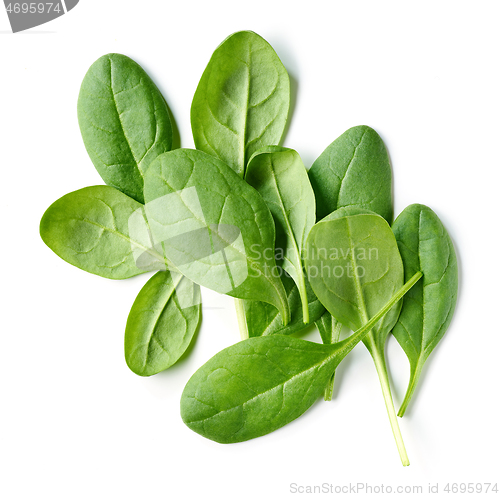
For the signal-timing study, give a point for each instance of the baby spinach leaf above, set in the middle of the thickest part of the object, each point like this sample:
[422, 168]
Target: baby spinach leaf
[89, 229]
[188, 192]
[124, 121]
[354, 170]
[261, 384]
[353, 264]
[161, 323]
[428, 308]
[329, 329]
[279, 175]
[263, 319]
[241, 103]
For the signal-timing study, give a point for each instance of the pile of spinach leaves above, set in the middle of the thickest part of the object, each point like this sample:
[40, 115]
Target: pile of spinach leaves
[242, 215]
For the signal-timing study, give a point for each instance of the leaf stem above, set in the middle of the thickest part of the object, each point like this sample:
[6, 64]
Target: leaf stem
[360, 334]
[303, 298]
[414, 376]
[239, 304]
[334, 335]
[379, 361]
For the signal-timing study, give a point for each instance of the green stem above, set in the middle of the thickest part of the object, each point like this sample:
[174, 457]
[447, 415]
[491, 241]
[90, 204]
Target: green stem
[378, 358]
[329, 388]
[336, 328]
[303, 298]
[350, 342]
[239, 304]
[415, 375]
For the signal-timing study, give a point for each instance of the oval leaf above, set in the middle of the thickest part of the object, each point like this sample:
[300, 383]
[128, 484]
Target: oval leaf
[188, 191]
[263, 383]
[354, 267]
[124, 121]
[89, 229]
[257, 386]
[428, 308]
[354, 170]
[241, 103]
[162, 322]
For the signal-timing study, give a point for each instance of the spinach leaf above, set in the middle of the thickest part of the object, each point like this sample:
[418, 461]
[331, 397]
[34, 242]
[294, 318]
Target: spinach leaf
[161, 323]
[354, 170]
[261, 384]
[353, 264]
[89, 229]
[427, 310]
[329, 329]
[241, 103]
[124, 121]
[263, 319]
[279, 175]
[213, 226]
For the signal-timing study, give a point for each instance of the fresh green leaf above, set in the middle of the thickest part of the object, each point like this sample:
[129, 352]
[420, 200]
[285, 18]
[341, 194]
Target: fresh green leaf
[162, 322]
[279, 175]
[124, 121]
[261, 384]
[89, 229]
[263, 319]
[354, 170]
[213, 226]
[329, 329]
[428, 308]
[354, 266]
[241, 103]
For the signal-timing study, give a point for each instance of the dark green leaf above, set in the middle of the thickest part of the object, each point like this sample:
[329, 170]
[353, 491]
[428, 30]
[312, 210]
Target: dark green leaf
[279, 175]
[261, 384]
[428, 308]
[161, 323]
[124, 121]
[353, 171]
[264, 319]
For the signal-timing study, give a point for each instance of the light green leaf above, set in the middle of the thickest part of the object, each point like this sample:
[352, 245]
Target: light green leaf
[354, 266]
[241, 103]
[213, 226]
[89, 229]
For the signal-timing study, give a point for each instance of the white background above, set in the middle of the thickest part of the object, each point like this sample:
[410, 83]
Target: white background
[74, 421]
